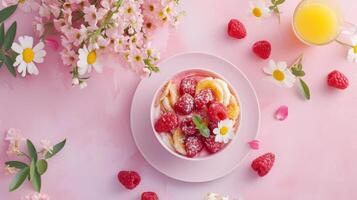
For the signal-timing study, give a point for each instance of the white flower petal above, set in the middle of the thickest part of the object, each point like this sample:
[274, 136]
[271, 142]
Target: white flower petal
[32, 69]
[281, 65]
[268, 70]
[18, 60]
[354, 40]
[26, 42]
[98, 67]
[39, 47]
[22, 69]
[17, 48]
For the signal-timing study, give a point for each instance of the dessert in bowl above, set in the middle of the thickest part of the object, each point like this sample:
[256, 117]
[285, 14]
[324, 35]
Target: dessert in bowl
[195, 114]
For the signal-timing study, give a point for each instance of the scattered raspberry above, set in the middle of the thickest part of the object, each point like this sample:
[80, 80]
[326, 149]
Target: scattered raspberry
[211, 145]
[184, 104]
[236, 29]
[193, 146]
[149, 196]
[262, 49]
[263, 164]
[203, 98]
[217, 112]
[212, 125]
[129, 179]
[188, 127]
[188, 85]
[166, 123]
[337, 80]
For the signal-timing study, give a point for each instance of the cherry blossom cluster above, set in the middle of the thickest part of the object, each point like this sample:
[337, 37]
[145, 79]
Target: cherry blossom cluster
[89, 29]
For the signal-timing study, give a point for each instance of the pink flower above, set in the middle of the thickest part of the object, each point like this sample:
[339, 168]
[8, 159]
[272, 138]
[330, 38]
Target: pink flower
[254, 144]
[10, 170]
[282, 113]
[36, 196]
[77, 36]
[92, 15]
[15, 139]
[69, 57]
[52, 43]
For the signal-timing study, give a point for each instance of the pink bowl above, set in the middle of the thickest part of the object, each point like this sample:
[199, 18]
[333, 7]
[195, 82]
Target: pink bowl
[153, 113]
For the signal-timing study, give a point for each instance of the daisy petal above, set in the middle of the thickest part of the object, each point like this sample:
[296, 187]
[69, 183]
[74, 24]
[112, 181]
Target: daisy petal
[282, 113]
[39, 47]
[17, 48]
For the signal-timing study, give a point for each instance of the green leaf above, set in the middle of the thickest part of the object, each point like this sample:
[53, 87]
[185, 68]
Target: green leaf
[2, 34]
[41, 166]
[10, 36]
[297, 72]
[273, 2]
[204, 131]
[7, 12]
[19, 179]
[56, 149]
[271, 8]
[16, 164]
[278, 2]
[31, 149]
[305, 89]
[35, 176]
[9, 62]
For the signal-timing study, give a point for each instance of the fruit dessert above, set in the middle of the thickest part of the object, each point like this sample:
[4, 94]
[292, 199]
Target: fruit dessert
[196, 113]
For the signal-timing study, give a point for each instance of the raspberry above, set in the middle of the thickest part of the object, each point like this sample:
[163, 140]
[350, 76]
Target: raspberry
[262, 49]
[203, 98]
[337, 80]
[188, 127]
[236, 29]
[212, 125]
[188, 85]
[211, 145]
[217, 112]
[193, 146]
[129, 179]
[263, 164]
[166, 123]
[184, 105]
[149, 196]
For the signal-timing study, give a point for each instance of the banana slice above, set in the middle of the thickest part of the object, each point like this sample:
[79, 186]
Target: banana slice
[173, 95]
[166, 90]
[226, 91]
[210, 83]
[168, 140]
[233, 109]
[165, 105]
[178, 140]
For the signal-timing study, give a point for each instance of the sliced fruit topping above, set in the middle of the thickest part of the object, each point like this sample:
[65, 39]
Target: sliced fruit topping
[211, 145]
[178, 141]
[166, 90]
[193, 145]
[184, 104]
[203, 98]
[233, 109]
[188, 86]
[210, 83]
[188, 127]
[165, 105]
[129, 179]
[173, 94]
[217, 112]
[263, 164]
[166, 123]
[226, 91]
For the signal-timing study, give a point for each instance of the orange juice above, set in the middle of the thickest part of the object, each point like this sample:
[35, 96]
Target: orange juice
[316, 22]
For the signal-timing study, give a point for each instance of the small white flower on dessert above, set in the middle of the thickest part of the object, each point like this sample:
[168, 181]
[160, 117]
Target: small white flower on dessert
[258, 9]
[352, 52]
[82, 85]
[224, 132]
[15, 139]
[75, 81]
[36, 196]
[28, 55]
[215, 196]
[47, 146]
[88, 58]
[280, 74]
[10, 170]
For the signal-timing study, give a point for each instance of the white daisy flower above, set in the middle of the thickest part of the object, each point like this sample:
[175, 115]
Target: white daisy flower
[258, 9]
[87, 59]
[224, 132]
[352, 52]
[215, 196]
[280, 73]
[28, 55]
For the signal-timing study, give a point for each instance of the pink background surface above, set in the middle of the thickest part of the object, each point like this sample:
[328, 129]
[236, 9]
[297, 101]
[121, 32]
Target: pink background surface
[315, 146]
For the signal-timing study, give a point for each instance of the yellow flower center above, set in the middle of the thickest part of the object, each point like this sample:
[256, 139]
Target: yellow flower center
[129, 10]
[355, 49]
[278, 75]
[168, 10]
[151, 7]
[21, 1]
[92, 57]
[28, 55]
[257, 12]
[224, 130]
[137, 58]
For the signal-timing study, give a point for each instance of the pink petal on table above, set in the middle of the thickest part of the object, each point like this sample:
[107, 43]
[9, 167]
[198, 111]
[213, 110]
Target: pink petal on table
[282, 113]
[52, 43]
[254, 144]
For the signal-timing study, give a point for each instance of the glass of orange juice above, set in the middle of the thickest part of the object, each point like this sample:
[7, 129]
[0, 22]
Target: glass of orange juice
[319, 22]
